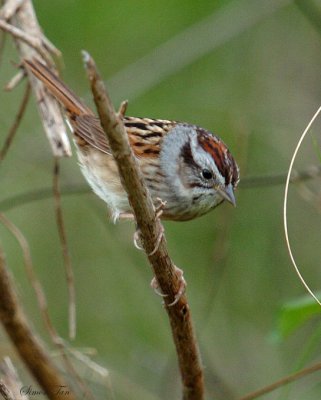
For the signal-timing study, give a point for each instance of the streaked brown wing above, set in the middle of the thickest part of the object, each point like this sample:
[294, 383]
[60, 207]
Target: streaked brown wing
[88, 128]
[145, 135]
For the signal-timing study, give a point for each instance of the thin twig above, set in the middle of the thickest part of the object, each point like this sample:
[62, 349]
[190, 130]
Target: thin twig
[28, 346]
[11, 379]
[151, 229]
[50, 47]
[16, 123]
[5, 391]
[10, 8]
[43, 305]
[24, 37]
[15, 80]
[93, 366]
[35, 283]
[25, 22]
[284, 381]
[2, 44]
[65, 251]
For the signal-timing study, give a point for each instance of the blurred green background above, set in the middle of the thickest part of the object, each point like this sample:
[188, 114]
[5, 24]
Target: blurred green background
[246, 70]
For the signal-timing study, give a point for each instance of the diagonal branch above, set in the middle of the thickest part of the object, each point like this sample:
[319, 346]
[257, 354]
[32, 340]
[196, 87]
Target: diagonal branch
[282, 382]
[30, 42]
[10, 381]
[151, 231]
[23, 37]
[57, 341]
[65, 251]
[27, 345]
[16, 123]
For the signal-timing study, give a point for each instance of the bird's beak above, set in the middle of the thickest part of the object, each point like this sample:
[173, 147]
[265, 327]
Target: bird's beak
[228, 194]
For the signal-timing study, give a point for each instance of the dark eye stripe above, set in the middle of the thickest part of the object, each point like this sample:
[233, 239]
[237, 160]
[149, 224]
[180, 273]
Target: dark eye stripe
[186, 154]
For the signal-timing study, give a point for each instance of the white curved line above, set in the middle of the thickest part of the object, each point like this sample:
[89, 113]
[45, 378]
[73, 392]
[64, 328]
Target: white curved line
[285, 205]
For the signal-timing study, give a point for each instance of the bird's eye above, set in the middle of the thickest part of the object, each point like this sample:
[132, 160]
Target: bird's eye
[206, 174]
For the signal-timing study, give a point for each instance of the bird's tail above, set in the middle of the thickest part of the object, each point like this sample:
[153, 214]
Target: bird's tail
[57, 88]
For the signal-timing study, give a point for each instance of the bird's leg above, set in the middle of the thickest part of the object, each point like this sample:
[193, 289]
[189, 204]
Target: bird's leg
[158, 240]
[160, 207]
[182, 287]
[158, 212]
[137, 239]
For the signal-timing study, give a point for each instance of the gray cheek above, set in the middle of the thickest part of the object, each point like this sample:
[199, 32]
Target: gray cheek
[170, 162]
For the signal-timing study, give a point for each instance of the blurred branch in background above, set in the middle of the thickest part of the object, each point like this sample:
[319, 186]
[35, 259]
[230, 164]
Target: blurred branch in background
[41, 194]
[6, 392]
[43, 305]
[250, 182]
[18, 19]
[29, 41]
[16, 123]
[190, 45]
[10, 381]
[282, 382]
[65, 251]
[312, 172]
[28, 346]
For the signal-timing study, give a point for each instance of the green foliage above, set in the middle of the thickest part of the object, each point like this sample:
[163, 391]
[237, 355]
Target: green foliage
[294, 314]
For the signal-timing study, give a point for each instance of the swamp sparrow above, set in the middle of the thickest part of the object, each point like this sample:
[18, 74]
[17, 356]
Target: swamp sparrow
[187, 167]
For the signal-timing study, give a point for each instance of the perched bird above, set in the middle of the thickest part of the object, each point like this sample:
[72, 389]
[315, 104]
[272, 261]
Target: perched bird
[187, 167]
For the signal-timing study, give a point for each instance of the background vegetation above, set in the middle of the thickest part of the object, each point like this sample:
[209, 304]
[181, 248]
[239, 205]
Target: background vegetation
[257, 85]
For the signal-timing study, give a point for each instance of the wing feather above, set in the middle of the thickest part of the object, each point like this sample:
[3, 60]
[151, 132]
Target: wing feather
[145, 135]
